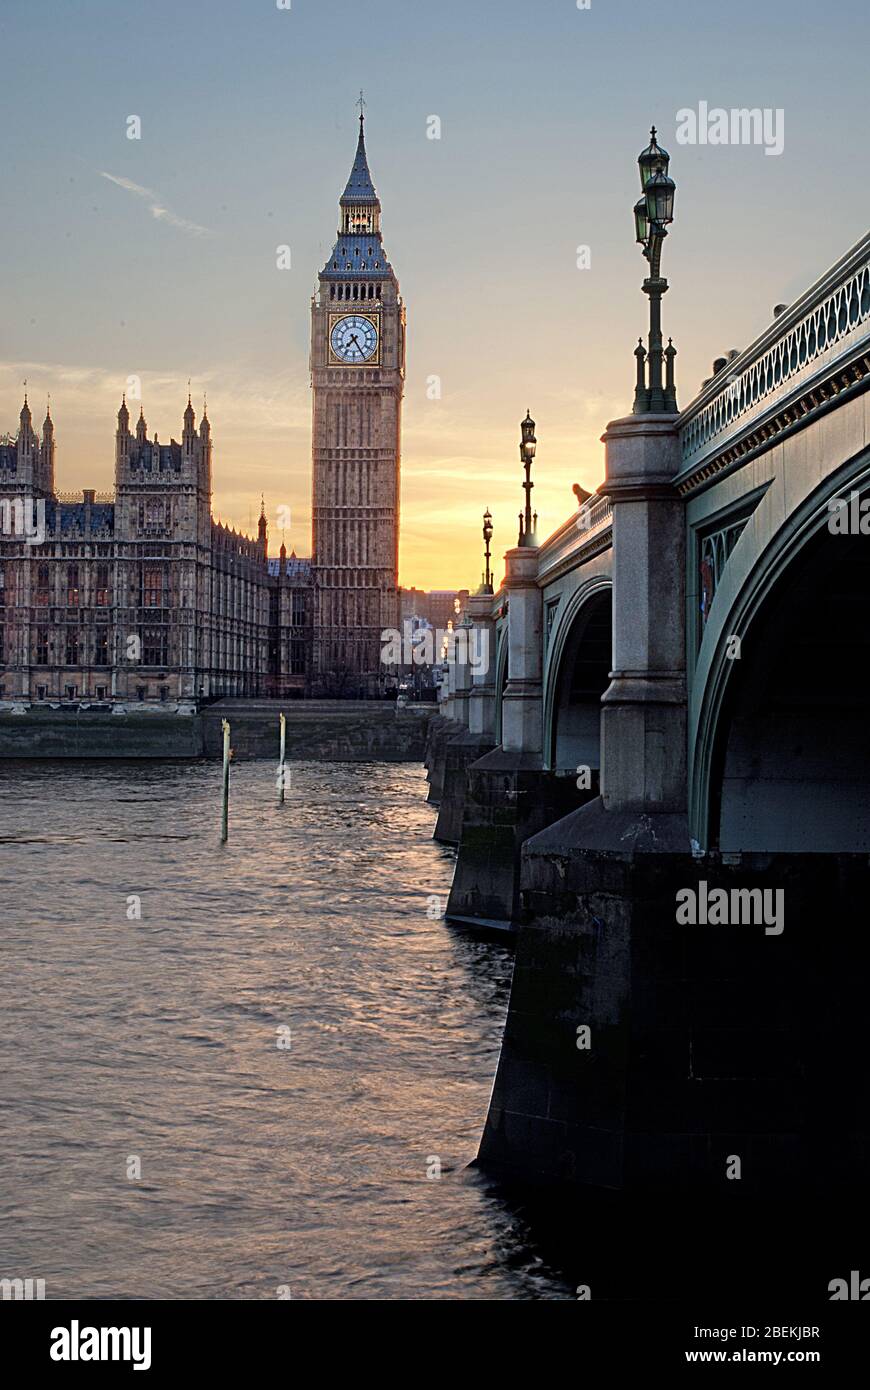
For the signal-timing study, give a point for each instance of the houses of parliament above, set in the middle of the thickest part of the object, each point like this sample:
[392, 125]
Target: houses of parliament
[141, 596]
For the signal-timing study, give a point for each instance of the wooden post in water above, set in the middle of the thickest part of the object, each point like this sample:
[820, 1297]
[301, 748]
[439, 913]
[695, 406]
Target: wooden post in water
[225, 802]
[283, 723]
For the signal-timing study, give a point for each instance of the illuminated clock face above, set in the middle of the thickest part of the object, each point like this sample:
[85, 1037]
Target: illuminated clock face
[354, 339]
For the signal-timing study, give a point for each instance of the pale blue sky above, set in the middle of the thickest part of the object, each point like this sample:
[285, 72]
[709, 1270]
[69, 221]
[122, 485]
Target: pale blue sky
[248, 131]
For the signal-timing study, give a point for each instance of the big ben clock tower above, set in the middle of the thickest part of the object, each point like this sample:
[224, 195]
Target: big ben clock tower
[358, 374]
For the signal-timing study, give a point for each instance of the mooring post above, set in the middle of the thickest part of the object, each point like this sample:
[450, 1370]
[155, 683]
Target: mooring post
[225, 801]
[283, 723]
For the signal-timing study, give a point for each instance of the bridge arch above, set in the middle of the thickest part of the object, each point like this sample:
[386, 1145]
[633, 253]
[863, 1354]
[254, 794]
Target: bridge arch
[779, 735]
[577, 673]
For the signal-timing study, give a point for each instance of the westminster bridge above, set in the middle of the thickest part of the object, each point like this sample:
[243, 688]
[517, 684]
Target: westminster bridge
[674, 702]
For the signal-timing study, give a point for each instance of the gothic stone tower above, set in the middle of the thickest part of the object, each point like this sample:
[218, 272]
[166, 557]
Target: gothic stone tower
[163, 538]
[358, 373]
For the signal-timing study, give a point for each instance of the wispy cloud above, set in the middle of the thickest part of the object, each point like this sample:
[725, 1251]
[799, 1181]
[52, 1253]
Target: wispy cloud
[155, 207]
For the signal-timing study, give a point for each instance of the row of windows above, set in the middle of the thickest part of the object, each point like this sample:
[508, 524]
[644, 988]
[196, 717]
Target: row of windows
[82, 552]
[353, 292]
[156, 512]
[370, 252]
[358, 219]
[100, 595]
[154, 592]
[101, 692]
[152, 587]
[72, 648]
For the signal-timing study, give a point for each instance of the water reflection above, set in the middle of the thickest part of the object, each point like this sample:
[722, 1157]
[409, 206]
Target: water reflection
[155, 1036]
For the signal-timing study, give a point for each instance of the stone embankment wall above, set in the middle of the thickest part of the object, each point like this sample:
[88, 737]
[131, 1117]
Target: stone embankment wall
[339, 730]
[46, 733]
[328, 730]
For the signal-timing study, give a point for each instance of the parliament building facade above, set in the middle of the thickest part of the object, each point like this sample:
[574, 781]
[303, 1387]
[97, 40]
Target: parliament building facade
[141, 597]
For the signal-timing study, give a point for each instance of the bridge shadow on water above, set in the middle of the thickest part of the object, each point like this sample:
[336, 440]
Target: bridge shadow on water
[775, 1256]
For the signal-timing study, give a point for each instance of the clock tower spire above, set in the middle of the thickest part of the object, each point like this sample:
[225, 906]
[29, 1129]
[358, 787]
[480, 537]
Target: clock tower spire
[358, 374]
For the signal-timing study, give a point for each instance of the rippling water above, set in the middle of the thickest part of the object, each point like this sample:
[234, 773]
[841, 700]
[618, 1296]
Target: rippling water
[261, 1167]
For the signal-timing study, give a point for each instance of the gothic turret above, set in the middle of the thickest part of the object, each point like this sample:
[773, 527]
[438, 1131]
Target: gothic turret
[262, 531]
[205, 446]
[122, 436]
[46, 452]
[141, 427]
[26, 437]
[27, 450]
[29, 463]
[188, 436]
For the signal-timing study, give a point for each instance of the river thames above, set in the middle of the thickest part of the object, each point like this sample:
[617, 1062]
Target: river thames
[266, 1170]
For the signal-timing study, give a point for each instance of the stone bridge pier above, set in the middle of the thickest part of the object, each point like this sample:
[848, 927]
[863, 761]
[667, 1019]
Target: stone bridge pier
[470, 666]
[501, 798]
[590, 880]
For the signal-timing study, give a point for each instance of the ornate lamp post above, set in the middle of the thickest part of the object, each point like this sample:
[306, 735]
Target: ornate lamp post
[486, 587]
[528, 444]
[653, 213]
